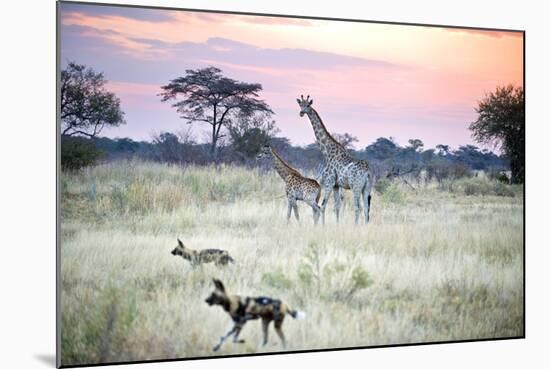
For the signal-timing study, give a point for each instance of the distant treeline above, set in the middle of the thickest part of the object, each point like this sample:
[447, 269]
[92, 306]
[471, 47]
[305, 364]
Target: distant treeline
[240, 123]
[386, 157]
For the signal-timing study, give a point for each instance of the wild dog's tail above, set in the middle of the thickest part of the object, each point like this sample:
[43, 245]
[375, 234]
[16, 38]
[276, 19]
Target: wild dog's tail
[296, 314]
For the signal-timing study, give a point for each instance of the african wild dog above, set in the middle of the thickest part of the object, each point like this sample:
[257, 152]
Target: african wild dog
[241, 309]
[219, 257]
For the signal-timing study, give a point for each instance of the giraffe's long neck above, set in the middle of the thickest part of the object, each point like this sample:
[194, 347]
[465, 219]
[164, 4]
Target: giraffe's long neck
[281, 166]
[326, 142]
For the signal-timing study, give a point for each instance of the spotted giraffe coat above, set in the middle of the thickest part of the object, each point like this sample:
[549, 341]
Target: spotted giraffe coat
[342, 170]
[297, 187]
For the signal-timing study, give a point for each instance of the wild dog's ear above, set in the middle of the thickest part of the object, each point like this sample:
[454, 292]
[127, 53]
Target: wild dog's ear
[219, 285]
[180, 243]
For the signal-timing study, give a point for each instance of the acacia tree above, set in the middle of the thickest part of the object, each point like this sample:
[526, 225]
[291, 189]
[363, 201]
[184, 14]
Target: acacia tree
[250, 132]
[416, 145]
[501, 122]
[442, 150]
[209, 97]
[345, 139]
[86, 106]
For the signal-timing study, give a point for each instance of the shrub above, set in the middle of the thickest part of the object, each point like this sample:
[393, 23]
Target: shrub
[498, 175]
[502, 189]
[393, 194]
[78, 152]
[310, 269]
[360, 278]
[119, 198]
[483, 187]
[276, 280]
[333, 278]
[382, 185]
[476, 187]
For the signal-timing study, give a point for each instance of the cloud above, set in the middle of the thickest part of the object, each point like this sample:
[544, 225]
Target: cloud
[243, 18]
[238, 54]
[111, 41]
[105, 11]
[486, 33]
[214, 49]
[290, 58]
[284, 21]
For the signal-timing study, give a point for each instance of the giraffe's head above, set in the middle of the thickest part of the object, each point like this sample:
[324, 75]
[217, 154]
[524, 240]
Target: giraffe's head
[305, 105]
[265, 152]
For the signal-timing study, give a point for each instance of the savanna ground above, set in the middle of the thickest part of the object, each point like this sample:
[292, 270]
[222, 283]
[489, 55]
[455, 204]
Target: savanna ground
[442, 262]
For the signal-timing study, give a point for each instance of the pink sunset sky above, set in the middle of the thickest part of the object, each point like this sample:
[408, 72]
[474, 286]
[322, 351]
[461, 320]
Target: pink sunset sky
[370, 80]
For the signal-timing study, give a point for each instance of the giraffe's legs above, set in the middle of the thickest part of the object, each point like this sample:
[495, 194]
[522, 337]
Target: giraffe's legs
[289, 212]
[357, 202]
[295, 207]
[337, 202]
[316, 210]
[328, 186]
[366, 199]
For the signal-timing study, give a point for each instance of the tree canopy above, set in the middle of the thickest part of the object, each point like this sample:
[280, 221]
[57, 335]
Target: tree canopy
[501, 122]
[86, 105]
[345, 139]
[250, 132]
[416, 144]
[208, 96]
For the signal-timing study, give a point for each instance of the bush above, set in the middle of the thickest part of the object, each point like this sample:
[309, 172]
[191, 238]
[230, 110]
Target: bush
[277, 280]
[484, 187]
[443, 170]
[498, 175]
[502, 177]
[476, 187]
[78, 152]
[331, 278]
[382, 185]
[393, 194]
[502, 189]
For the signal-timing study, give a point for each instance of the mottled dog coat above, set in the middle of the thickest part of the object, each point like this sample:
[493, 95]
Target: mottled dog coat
[216, 256]
[241, 309]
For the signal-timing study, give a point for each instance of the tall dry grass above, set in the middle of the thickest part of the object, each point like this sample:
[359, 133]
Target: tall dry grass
[436, 263]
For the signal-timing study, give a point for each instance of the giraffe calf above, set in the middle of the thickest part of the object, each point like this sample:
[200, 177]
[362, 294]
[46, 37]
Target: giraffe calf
[218, 257]
[297, 186]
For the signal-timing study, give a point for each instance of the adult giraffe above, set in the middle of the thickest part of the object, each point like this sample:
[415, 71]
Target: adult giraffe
[342, 170]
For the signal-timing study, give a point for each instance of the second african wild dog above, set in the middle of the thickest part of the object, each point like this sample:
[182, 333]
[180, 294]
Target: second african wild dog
[242, 309]
[218, 257]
